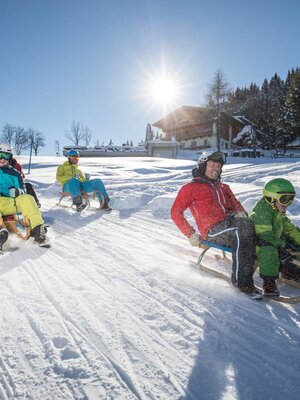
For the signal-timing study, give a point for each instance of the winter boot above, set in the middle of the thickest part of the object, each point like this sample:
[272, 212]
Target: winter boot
[3, 236]
[105, 206]
[39, 235]
[77, 201]
[269, 288]
[252, 292]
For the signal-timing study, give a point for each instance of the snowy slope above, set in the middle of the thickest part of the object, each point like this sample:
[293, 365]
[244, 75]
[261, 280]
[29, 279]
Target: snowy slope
[114, 311]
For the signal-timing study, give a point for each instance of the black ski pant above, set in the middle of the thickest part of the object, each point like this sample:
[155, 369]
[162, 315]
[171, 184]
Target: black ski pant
[239, 235]
[31, 191]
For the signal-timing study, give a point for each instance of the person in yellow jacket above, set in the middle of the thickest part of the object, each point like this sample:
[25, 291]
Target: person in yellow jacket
[74, 181]
[13, 199]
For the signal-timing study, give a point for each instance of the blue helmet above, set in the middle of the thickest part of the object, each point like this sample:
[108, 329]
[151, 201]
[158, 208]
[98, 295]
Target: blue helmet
[73, 153]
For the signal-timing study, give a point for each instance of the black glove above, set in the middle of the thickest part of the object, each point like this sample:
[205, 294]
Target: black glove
[284, 256]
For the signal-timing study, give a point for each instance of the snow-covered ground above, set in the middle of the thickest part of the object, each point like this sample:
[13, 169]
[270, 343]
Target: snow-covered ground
[113, 310]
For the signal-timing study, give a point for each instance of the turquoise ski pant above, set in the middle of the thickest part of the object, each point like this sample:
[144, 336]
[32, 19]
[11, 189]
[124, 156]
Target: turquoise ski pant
[75, 187]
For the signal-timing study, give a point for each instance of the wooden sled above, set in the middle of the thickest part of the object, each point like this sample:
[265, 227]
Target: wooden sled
[226, 278]
[11, 222]
[86, 197]
[205, 246]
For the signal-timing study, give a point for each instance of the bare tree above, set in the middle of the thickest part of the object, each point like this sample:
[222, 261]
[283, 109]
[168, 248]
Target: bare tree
[57, 148]
[21, 140]
[8, 132]
[87, 135]
[217, 95]
[76, 133]
[36, 140]
[218, 91]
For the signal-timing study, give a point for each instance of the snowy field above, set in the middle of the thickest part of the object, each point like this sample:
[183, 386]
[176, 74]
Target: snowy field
[113, 310]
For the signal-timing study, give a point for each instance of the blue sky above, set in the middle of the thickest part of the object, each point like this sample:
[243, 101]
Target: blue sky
[92, 61]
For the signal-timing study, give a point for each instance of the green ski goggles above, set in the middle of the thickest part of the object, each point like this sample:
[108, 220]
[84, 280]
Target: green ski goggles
[4, 155]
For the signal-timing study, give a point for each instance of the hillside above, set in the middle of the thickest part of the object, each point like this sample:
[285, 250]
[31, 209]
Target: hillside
[114, 311]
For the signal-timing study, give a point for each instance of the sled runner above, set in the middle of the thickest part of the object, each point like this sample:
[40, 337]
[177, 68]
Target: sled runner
[87, 198]
[206, 246]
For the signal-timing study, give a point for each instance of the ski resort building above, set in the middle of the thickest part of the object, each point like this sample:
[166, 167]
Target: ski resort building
[194, 128]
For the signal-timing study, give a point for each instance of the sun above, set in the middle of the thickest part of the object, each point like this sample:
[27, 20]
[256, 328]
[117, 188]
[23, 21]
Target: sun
[160, 86]
[163, 91]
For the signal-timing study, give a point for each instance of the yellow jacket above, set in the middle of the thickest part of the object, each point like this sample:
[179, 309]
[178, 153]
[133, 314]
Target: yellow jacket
[67, 171]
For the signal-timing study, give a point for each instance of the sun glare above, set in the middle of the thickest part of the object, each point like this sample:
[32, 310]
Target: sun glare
[163, 91]
[160, 87]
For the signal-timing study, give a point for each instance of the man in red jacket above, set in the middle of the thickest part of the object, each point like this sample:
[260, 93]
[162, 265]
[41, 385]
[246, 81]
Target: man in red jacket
[220, 219]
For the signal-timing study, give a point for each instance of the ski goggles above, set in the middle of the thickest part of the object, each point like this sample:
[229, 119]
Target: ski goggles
[4, 155]
[74, 157]
[284, 199]
[216, 156]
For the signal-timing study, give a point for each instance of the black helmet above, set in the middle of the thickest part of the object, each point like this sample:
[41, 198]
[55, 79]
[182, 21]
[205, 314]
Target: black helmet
[216, 156]
[209, 155]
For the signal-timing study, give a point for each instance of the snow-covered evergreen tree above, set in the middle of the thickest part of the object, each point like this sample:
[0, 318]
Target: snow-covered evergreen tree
[293, 101]
[149, 133]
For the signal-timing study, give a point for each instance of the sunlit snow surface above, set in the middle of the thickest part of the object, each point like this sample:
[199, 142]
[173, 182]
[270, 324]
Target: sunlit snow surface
[114, 311]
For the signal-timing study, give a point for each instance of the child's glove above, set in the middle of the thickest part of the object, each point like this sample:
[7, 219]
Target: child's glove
[76, 176]
[194, 240]
[15, 192]
[87, 177]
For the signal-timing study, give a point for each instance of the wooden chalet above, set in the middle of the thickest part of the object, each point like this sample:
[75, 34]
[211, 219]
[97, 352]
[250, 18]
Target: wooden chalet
[194, 128]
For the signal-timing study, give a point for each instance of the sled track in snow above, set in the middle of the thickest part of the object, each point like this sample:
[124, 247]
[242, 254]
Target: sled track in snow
[98, 365]
[7, 388]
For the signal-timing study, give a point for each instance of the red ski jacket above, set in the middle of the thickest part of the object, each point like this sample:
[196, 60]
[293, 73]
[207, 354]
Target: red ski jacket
[18, 167]
[208, 202]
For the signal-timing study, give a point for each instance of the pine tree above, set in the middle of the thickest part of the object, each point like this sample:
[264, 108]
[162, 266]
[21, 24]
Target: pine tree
[149, 133]
[293, 101]
[274, 108]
